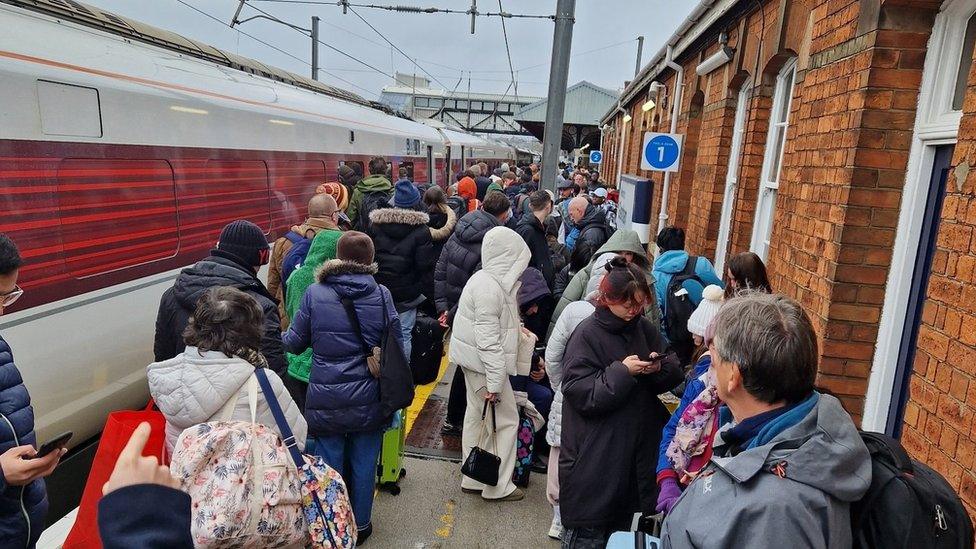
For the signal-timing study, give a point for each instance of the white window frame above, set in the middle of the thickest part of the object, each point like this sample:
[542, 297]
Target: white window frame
[935, 124]
[732, 175]
[762, 227]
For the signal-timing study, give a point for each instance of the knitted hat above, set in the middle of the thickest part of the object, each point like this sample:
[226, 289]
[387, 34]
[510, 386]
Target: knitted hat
[356, 247]
[405, 195]
[338, 191]
[710, 304]
[494, 187]
[246, 241]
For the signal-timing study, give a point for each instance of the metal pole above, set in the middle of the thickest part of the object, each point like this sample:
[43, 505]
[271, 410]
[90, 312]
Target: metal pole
[562, 42]
[315, 47]
[468, 123]
[640, 51]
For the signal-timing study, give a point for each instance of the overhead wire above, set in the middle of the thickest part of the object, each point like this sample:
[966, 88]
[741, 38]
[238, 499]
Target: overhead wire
[416, 9]
[272, 46]
[508, 52]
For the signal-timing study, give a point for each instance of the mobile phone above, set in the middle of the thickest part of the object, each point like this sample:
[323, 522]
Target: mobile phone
[657, 358]
[56, 443]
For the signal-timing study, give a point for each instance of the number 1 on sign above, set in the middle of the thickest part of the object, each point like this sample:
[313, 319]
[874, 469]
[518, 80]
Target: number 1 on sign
[660, 150]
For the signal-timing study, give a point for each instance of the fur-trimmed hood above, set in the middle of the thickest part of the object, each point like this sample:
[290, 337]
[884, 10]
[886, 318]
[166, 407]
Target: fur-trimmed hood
[398, 216]
[336, 267]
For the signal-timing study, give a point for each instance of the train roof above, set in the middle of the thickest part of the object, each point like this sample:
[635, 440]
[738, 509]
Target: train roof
[136, 30]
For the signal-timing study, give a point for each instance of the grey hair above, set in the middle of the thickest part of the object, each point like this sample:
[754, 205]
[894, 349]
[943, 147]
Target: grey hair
[475, 169]
[772, 340]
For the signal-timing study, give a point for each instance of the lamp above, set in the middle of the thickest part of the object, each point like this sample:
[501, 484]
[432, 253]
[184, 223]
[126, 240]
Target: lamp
[627, 118]
[647, 105]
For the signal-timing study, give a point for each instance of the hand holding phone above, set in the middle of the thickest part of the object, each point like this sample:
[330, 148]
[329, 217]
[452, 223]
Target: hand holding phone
[56, 443]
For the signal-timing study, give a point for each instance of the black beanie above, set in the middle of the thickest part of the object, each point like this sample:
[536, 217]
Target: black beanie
[246, 241]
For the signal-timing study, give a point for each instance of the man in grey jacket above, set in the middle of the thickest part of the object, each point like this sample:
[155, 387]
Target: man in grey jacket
[787, 461]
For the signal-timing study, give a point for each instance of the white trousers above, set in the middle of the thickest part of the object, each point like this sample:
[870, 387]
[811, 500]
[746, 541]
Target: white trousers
[474, 433]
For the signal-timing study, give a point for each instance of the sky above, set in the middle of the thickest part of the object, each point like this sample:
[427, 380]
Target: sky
[604, 39]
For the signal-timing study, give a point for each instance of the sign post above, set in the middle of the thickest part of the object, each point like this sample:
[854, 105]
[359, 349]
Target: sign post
[596, 157]
[661, 151]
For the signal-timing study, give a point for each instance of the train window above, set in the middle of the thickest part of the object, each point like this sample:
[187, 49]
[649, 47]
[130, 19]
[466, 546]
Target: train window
[227, 190]
[294, 183]
[116, 214]
[67, 109]
[409, 167]
[352, 136]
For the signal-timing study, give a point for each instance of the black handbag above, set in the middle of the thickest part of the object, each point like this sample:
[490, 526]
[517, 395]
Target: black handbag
[482, 465]
[395, 377]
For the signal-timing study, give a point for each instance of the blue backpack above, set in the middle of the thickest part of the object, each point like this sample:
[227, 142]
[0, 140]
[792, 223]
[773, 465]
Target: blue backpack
[294, 258]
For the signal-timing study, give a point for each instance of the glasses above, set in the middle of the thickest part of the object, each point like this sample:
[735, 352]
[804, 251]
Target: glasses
[10, 297]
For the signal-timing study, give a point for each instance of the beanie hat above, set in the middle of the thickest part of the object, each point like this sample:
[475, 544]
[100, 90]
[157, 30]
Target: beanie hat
[245, 241]
[494, 187]
[338, 191]
[405, 195]
[356, 247]
[711, 302]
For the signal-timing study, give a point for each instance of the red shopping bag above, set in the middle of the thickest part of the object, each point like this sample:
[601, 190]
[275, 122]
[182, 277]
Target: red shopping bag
[119, 426]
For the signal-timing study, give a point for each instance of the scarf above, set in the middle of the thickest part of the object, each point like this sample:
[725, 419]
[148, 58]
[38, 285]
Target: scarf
[693, 434]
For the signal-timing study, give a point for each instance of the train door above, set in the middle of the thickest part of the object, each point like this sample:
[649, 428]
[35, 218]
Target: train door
[431, 168]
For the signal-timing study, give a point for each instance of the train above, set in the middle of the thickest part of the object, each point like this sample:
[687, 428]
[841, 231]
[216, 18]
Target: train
[123, 151]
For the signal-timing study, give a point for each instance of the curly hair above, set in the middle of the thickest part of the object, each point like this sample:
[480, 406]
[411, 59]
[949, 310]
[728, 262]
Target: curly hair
[227, 320]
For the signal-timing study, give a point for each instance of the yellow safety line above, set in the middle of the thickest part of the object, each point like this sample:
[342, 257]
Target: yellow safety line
[421, 394]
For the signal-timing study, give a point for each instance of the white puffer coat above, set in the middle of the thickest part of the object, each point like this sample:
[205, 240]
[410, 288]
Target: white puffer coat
[485, 336]
[192, 388]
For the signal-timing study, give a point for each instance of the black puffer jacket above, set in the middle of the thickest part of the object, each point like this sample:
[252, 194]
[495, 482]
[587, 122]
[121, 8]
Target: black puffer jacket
[460, 258]
[593, 227]
[179, 302]
[611, 421]
[404, 252]
[534, 234]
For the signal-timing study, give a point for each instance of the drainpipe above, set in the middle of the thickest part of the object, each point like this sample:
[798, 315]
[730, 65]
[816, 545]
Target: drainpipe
[662, 218]
[620, 143]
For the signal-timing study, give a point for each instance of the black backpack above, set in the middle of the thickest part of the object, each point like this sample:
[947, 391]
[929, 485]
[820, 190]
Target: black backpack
[908, 504]
[677, 310]
[375, 200]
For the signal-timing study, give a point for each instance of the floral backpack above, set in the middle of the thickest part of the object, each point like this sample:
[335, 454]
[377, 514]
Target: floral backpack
[247, 491]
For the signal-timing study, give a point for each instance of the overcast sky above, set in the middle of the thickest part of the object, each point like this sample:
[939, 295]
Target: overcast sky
[441, 43]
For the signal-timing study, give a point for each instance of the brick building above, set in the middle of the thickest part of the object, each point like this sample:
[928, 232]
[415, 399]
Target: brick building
[836, 142]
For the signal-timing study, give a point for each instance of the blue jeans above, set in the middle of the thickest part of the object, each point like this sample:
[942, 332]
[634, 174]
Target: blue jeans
[407, 319]
[361, 451]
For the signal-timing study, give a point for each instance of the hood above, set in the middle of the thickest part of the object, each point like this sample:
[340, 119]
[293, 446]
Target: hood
[625, 241]
[823, 450]
[504, 256]
[210, 272]
[672, 261]
[472, 228]
[398, 218]
[597, 272]
[323, 247]
[374, 183]
[593, 216]
[193, 386]
[533, 287]
[467, 188]
[348, 278]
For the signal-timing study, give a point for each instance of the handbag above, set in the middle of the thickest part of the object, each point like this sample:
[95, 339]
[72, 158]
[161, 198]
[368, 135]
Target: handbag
[482, 465]
[392, 367]
[119, 427]
[325, 500]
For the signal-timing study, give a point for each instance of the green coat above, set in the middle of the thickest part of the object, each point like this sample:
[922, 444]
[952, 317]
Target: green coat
[620, 241]
[323, 248]
[371, 184]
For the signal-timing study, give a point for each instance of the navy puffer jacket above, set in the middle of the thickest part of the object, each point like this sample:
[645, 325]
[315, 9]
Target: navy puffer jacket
[22, 508]
[343, 397]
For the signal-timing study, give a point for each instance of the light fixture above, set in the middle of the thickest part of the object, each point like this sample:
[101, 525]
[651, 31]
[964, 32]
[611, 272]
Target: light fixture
[655, 87]
[714, 61]
[627, 118]
[648, 105]
[584, 147]
[189, 110]
[280, 122]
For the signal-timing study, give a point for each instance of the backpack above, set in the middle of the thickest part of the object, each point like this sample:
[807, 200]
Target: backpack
[375, 200]
[246, 489]
[459, 205]
[908, 504]
[294, 258]
[678, 308]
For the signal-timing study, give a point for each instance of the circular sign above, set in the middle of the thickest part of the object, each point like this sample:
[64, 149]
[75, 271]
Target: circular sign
[596, 157]
[661, 152]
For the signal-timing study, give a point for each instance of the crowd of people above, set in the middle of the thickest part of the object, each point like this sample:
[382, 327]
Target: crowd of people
[651, 385]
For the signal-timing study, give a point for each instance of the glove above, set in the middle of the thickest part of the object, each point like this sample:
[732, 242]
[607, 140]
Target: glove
[668, 495]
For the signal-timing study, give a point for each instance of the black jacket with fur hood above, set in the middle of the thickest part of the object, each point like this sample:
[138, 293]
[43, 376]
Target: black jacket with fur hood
[404, 253]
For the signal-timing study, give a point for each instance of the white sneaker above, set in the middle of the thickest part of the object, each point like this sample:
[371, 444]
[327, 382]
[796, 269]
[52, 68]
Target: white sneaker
[556, 528]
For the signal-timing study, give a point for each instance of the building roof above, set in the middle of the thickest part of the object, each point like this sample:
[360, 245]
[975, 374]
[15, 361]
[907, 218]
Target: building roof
[585, 104]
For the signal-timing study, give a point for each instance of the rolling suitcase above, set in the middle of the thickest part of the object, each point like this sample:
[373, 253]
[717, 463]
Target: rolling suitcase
[428, 349]
[644, 534]
[390, 469]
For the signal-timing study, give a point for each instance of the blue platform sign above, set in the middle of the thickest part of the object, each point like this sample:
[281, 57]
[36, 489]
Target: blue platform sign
[662, 151]
[596, 157]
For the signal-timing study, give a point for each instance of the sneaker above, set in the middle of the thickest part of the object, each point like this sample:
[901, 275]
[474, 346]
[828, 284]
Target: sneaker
[470, 490]
[450, 430]
[516, 495]
[539, 465]
[363, 534]
[556, 528]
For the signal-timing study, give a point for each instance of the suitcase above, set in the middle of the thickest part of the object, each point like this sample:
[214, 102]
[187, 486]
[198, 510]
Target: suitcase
[638, 536]
[428, 349]
[390, 469]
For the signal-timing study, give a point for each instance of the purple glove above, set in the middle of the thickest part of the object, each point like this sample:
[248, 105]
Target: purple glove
[668, 495]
